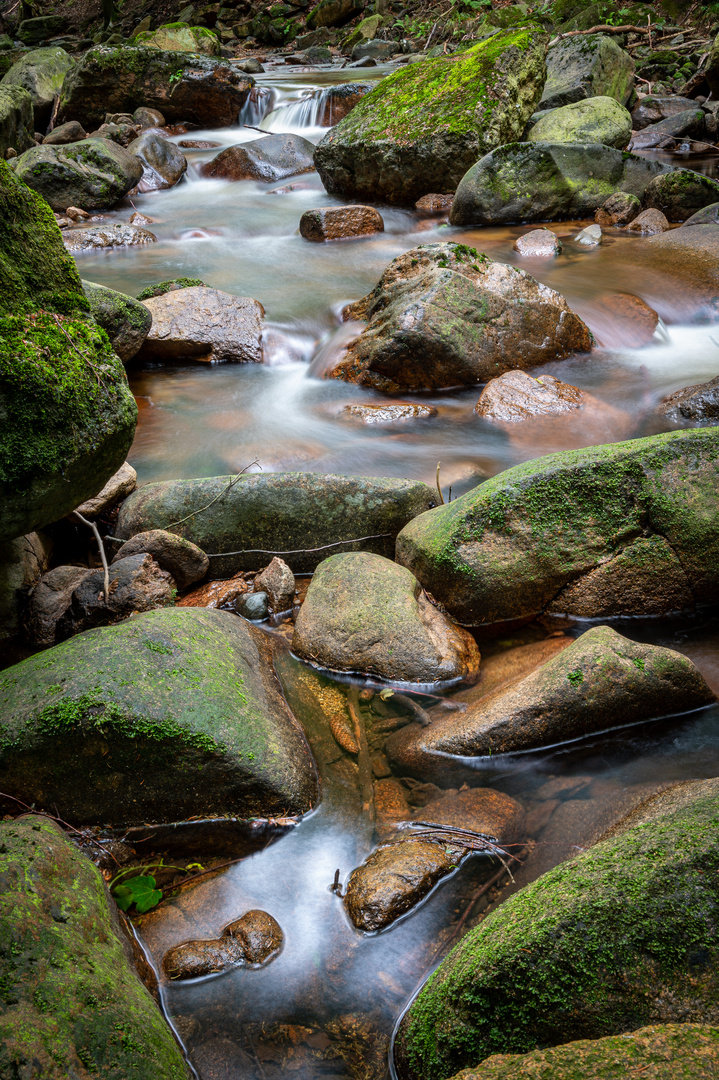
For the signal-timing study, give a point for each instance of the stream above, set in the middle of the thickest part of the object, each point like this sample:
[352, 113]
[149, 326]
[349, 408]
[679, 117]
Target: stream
[327, 1005]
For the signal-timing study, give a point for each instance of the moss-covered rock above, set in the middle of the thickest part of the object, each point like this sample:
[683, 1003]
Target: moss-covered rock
[68, 415]
[71, 1003]
[183, 86]
[420, 129]
[583, 67]
[670, 1051]
[172, 713]
[179, 37]
[16, 119]
[624, 935]
[279, 513]
[33, 31]
[535, 181]
[681, 193]
[334, 13]
[534, 535]
[125, 320]
[593, 120]
[41, 72]
[169, 286]
[93, 174]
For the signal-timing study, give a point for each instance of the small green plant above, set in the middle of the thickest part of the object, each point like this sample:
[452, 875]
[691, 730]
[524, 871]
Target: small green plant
[638, 663]
[576, 678]
[141, 890]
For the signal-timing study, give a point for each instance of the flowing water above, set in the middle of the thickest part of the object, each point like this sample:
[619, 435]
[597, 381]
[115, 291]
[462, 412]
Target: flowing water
[326, 1006]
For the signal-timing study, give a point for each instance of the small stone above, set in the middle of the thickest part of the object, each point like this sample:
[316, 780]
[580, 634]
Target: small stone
[66, 133]
[118, 487]
[141, 219]
[590, 237]
[184, 560]
[76, 214]
[539, 243]
[340, 222]
[619, 209]
[434, 205]
[278, 582]
[254, 606]
[258, 934]
[10, 153]
[391, 413]
[649, 223]
[198, 144]
[254, 939]
[147, 118]
[516, 396]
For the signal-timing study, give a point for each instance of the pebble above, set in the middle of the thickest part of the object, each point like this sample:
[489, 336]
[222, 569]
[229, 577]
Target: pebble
[590, 237]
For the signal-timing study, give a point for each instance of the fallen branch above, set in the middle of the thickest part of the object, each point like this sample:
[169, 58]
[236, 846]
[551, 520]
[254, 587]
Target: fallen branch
[101, 547]
[421, 716]
[217, 497]
[603, 29]
[295, 551]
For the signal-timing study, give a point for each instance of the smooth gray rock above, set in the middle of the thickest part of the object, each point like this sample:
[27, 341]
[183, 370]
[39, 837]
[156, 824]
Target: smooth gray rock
[163, 163]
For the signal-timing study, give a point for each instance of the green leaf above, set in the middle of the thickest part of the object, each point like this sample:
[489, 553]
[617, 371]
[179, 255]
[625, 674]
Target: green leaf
[140, 891]
[123, 896]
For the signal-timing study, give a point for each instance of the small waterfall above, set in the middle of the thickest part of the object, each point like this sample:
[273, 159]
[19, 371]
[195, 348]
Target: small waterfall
[313, 110]
[260, 101]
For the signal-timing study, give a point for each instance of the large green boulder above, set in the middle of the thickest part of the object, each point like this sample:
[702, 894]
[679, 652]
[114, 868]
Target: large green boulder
[421, 128]
[125, 320]
[41, 72]
[630, 528]
[625, 934]
[681, 193]
[16, 119]
[670, 1051]
[179, 37]
[304, 517]
[593, 120]
[535, 181]
[93, 174]
[583, 67]
[167, 715]
[71, 1004]
[68, 417]
[201, 89]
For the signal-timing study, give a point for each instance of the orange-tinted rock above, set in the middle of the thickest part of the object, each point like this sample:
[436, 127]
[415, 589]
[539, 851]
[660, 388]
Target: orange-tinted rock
[434, 205]
[216, 594]
[619, 209]
[254, 939]
[481, 810]
[337, 101]
[620, 320]
[393, 879]
[340, 222]
[649, 223]
[516, 396]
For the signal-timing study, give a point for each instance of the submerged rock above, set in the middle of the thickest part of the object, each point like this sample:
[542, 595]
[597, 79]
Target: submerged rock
[163, 165]
[699, 403]
[291, 513]
[204, 324]
[173, 713]
[125, 321]
[93, 174]
[273, 157]
[445, 315]
[255, 939]
[538, 244]
[394, 148]
[106, 236]
[185, 561]
[587, 67]
[340, 222]
[69, 984]
[645, 509]
[363, 613]
[593, 120]
[598, 946]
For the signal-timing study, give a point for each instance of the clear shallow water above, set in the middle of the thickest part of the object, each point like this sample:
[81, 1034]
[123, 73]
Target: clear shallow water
[326, 1006]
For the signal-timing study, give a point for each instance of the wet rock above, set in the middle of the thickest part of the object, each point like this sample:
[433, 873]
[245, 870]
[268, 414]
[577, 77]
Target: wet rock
[204, 324]
[394, 879]
[500, 318]
[71, 427]
[125, 321]
[318, 54]
[333, 13]
[586, 67]
[209, 92]
[254, 939]
[182, 39]
[524, 182]
[254, 606]
[601, 681]
[593, 120]
[147, 118]
[278, 511]
[216, 594]
[94, 173]
[16, 120]
[163, 165]
[273, 157]
[106, 236]
[33, 31]
[708, 215]
[278, 582]
[649, 223]
[614, 979]
[136, 584]
[41, 73]
[699, 403]
[338, 101]
[589, 237]
[365, 62]
[481, 810]
[65, 949]
[538, 244]
[118, 487]
[50, 600]
[392, 147]
[632, 321]
[656, 107]
[198, 144]
[365, 614]
[184, 561]
[378, 50]
[624, 496]
[689, 124]
[390, 413]
[172, 285]
[251, 66]
[22, 562]
[340, 222]
[516, 396]
[434, 205]
[619, 209]
[146, 704]
[680, 193]
[66, 133]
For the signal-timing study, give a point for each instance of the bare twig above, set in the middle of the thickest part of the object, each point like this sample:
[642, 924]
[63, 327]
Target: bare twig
[439, 489]
[295, 551]
[252, 126]
[444, 945]
[85, 837]
[101, 547]
[604, 29]
[216, 498]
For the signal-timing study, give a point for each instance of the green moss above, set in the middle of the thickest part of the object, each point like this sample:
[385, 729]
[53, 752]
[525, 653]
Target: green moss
[166, 286]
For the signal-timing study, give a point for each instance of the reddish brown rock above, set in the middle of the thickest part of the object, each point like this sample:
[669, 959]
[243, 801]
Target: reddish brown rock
[278, 581]
[619, 209]
[254, 939]
[340, 222]
[621, 320]
[273, 157]
[649, 223]
[482, 810]
[216, 594]
[337, 101]
[517, 396]
[434, 205]
[393, 879]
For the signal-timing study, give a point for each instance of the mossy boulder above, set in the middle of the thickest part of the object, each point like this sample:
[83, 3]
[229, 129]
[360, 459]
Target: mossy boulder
[681, 193]
[624, 935]
[93, 174]
[583, 67]
[593, 120]
[183, 86]
[289, 514]
[125, 320]
[535, 181]
[172, 713]
[68, 415]
[41, 72]
[72, 1004]
[670, 1051]
[366, 30]
[629, 528]
[421, 128]
[179, 37]
[334, 13]
[33, 31]
[16, 119]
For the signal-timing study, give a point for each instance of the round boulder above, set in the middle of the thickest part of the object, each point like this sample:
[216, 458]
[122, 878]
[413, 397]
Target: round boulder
[41, 72]
[340, 222]
[184, 560]
[680, 193]
[204, 324]
[592, 120]
[163, 165]
[94, 173]
[516, 396]
[538, 244]
[649, 223]
[125, 321]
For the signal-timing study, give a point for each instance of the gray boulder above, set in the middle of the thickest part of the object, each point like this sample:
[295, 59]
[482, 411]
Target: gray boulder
[642, 537]
[125, 321]
[377, 49]
[185, 561]
[33, 31]
[106, 236]
[524, 182]
[17, 123]
[22, 562]
[699, 403]
[41, 72]
[681, 193]
[688, 124]
[69, 980]
[136, 583]
[93, 174]
[174, 713]
[585, 67]
[654, 108]
[163, 164]
[288, 514]
[66, 133]
[273, 157]
[592, 120]
[204, 324]
[708, 215]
